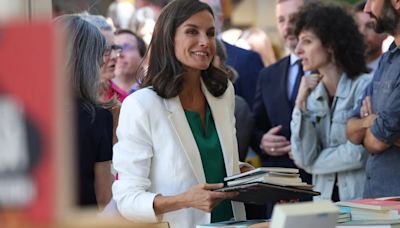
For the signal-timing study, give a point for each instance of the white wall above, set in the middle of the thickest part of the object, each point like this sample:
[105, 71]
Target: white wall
[24, 10]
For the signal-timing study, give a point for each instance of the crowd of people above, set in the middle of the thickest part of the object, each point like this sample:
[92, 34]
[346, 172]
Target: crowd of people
[158, 128]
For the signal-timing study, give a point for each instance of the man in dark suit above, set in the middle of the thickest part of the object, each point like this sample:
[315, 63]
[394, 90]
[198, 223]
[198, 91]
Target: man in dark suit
[248, 65]
[275, 95]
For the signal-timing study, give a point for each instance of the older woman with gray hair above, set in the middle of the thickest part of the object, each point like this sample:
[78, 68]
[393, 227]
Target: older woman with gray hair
[84, 49]
[109, 94]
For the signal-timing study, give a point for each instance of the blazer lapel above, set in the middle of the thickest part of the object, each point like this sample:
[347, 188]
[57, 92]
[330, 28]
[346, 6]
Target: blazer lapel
[221, 115]
[181, 126]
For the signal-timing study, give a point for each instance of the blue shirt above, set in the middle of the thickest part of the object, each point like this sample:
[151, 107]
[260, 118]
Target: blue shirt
[383, 179]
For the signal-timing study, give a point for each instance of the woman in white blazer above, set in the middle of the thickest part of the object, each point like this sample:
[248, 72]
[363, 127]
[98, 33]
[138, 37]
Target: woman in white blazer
[177, 135]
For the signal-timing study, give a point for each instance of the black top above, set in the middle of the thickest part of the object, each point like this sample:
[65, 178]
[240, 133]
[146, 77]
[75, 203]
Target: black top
[94, 140]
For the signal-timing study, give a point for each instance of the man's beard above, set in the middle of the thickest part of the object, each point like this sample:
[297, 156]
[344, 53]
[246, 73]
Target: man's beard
[388, 21]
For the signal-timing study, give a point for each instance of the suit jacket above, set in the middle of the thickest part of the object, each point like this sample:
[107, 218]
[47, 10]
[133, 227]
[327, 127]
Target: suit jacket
[248, 64]
[244, 126]
[272, 107]
[157, 154]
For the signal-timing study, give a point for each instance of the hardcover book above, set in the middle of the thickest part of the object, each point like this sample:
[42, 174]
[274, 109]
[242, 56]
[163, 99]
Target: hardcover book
[373, 204]
[261, 193]
[262, 170]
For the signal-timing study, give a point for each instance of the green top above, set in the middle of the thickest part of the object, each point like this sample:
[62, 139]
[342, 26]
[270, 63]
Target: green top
[211, 157]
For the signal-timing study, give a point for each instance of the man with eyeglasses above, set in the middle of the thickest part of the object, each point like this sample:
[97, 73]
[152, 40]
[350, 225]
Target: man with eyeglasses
[132, 51]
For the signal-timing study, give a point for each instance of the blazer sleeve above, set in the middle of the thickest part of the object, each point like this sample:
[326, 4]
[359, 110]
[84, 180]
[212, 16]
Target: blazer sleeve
[132, 160]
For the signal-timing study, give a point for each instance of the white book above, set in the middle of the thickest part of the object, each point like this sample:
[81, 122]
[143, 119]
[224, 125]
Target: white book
[271, 179]
[262, 170]
[368, 214]
[305, 215]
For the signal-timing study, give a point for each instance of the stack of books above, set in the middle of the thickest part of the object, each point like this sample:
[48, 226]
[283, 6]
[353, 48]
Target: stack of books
[344, 215]
[270, 175]
[268, 184]
[371, 209]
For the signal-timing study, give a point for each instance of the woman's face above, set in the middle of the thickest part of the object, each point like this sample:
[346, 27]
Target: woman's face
[195, 41]
[310, 50]
[109, 59]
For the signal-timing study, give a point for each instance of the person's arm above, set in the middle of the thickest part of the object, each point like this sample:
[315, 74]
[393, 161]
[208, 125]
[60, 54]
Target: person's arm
[200, 197]
[115, 114]
[356, 128]
[373, 144]
[344, 157]
[304, 140]
[385, 130]
[103, 183]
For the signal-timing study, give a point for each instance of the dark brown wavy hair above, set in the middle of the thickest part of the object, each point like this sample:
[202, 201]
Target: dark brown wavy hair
[165, 73]
[336, 28]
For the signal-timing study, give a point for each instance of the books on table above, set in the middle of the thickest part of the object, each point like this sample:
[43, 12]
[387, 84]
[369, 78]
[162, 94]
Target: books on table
[267, 184]
[373, 204]
[370, 224]
[373, 213]
[258, 223]
[371, 209]
[305, 215]
[343, 216]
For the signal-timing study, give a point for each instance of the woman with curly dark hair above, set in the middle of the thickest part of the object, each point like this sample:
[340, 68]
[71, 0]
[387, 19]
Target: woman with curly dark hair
[330, 44]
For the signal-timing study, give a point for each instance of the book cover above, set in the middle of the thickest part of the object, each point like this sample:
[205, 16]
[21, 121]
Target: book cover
[370, 214]
[370, 224]
[374, 204]
[271, 178]
[262, 170]
[261, 193]
[28, 125]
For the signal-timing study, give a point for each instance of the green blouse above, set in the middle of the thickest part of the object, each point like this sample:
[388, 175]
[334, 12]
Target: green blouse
[211, 157]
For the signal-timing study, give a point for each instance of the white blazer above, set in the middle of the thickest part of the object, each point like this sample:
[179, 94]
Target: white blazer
[156, 153]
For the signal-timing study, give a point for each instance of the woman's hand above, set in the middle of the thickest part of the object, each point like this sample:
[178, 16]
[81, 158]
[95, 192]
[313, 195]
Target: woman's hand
[366, 108]
[307, 84]
[201, 197]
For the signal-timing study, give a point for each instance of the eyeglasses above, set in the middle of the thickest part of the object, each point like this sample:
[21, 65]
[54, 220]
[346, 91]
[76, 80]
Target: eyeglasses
[109, 48]
[126, 47]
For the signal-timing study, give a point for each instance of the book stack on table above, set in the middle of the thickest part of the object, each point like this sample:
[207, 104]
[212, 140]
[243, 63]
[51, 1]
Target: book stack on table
[380, 212]
[258, 223]
[344, 216]
[268, 184]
